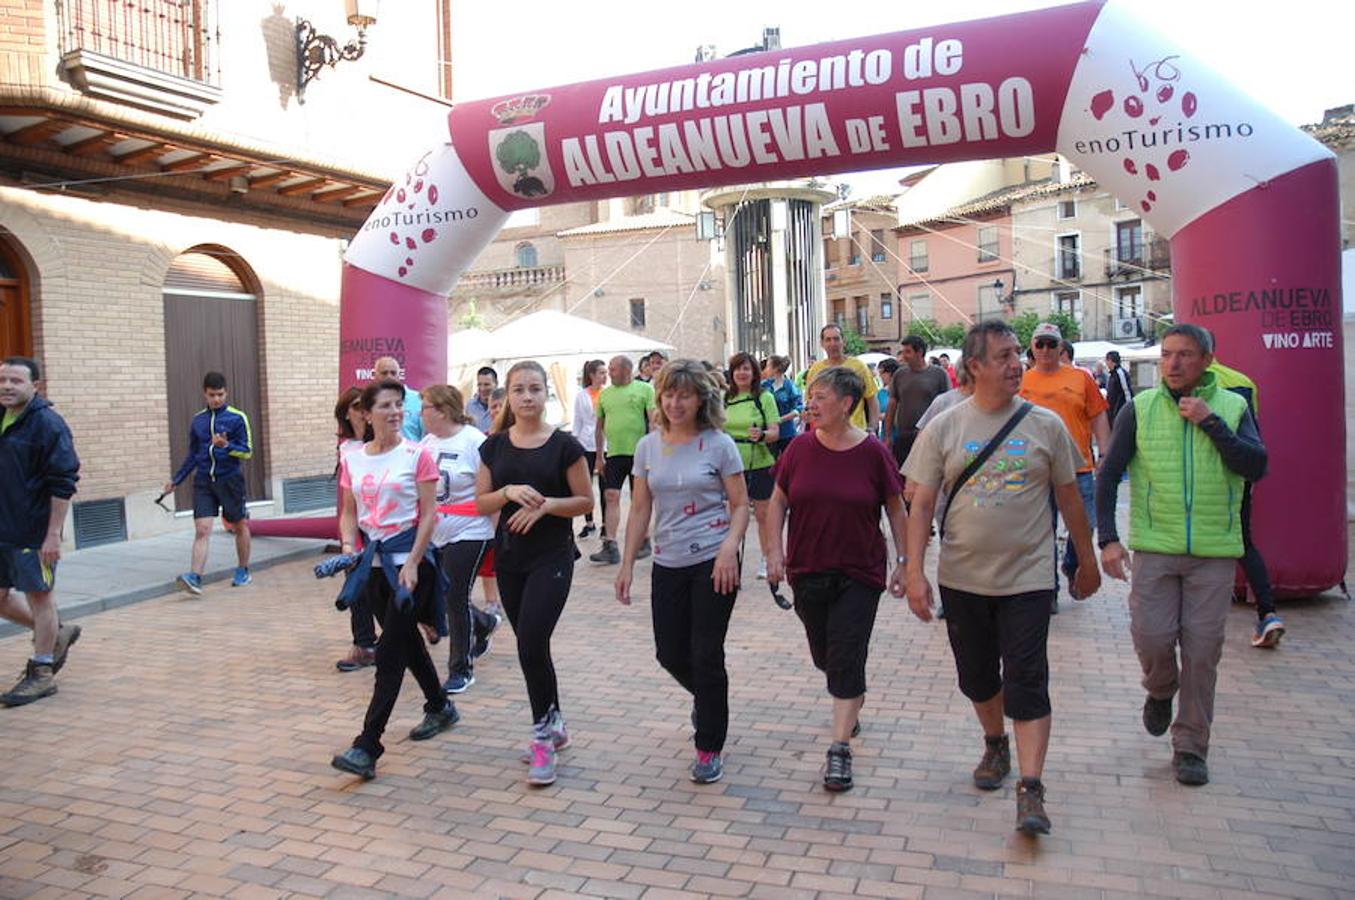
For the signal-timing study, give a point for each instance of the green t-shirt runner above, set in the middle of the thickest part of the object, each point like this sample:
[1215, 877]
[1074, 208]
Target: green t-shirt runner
[741, 413]
[624, 414]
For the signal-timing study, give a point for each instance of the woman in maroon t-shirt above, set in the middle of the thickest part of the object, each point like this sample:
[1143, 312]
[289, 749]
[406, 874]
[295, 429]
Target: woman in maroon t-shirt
[834, 481]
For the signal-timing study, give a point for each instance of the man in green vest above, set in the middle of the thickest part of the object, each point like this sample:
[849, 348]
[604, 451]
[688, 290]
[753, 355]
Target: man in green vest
[1190, 447]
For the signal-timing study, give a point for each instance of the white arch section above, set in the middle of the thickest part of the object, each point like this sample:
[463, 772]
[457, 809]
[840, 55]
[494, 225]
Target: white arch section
[1249, 202]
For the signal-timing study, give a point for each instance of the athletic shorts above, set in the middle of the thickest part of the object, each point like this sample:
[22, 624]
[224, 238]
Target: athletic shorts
[759, 483]
[1001, 645]
[23, 570]
[615, 471]
[225, 495]
[487, 562]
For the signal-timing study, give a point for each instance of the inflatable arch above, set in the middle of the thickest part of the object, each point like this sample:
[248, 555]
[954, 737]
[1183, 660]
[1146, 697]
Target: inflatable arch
[1249, 203]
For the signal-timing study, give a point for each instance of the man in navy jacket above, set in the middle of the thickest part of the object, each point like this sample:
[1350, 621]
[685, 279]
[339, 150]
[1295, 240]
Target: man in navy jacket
[219, 440]
[38, 472]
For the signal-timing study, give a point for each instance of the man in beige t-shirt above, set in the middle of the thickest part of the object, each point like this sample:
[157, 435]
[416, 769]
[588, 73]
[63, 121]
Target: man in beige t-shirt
[997, 556]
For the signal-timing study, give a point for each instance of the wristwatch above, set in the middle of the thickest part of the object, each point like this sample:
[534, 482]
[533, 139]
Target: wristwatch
[900, 560]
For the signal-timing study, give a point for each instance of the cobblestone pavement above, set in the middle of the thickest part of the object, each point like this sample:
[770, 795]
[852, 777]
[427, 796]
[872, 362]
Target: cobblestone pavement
[187, 754]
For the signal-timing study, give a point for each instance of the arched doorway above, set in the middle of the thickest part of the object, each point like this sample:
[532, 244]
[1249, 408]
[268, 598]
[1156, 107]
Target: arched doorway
[212, 324]
[16, 330]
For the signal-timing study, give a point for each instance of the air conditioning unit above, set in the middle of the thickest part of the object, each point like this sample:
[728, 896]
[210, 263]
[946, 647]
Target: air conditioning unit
[1126, 328]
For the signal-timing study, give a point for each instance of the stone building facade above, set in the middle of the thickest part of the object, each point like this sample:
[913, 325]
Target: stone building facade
[861, 270]
[1076, 249]
[169, 204]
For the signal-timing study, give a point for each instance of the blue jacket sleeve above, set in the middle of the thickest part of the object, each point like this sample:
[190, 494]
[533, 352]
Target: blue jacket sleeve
[191, 459]
[240, 442]
[62, 467]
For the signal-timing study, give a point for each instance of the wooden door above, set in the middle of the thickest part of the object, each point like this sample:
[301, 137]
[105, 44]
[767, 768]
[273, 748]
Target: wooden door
[210, 327]
[16, 335]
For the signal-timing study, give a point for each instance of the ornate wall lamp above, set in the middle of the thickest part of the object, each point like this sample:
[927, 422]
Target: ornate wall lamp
[314, 51]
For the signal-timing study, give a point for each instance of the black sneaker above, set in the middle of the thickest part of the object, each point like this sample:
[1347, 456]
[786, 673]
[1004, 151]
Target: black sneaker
[1191, 770]
[355, 761]
[856, 729]
[996, 763]
[457, 683]
[587, 530]
[435, 723]
[1030, 815]
[482, 640]
[1157, 716]
[838, 776]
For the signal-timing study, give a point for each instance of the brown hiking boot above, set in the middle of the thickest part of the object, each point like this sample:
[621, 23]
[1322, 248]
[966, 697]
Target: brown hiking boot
[1030, 815]
[996, 763]
[66, 636]
[37, 683]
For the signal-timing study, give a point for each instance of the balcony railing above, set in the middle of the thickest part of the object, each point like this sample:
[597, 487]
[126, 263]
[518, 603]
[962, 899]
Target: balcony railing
[1144, 259]
[176, 37]
[515, 279]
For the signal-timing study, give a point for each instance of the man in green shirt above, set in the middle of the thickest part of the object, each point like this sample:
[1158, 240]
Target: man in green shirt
[624, 409]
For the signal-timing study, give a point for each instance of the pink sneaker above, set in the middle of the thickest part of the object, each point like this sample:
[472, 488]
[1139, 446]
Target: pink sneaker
[542, 766]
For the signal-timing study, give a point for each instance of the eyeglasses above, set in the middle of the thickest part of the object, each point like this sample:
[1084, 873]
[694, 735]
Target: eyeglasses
[1046, 344]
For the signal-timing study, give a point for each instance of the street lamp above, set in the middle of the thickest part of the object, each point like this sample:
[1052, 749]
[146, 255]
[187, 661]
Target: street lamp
[1009, 301]
[314, 51]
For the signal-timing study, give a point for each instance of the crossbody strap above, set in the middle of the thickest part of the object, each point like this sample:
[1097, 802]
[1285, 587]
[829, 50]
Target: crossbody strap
[979, 460]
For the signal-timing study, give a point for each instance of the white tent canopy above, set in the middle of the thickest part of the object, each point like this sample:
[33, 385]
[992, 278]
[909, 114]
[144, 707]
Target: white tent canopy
[560, 342]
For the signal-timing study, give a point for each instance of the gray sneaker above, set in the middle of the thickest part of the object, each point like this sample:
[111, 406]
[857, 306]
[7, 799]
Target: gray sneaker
[554, 729]
[37, 683]
[645, 550]
[541, 769]
[708, 768]
[609, 555]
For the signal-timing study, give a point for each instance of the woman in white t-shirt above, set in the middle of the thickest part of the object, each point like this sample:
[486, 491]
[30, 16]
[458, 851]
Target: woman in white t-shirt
[461, 539]
[354, 431]
[389, 494]
[585, 423]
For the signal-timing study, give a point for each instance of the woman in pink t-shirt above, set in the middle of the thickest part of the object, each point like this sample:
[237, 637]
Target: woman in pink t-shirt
[835, 481]
[354, 431]
[389, 494]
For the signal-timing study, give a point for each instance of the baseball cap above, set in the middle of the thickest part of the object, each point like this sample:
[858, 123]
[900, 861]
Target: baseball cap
[1046, 330]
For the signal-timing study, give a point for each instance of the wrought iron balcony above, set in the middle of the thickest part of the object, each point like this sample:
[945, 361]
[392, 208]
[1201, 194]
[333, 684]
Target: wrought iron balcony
[158, 54]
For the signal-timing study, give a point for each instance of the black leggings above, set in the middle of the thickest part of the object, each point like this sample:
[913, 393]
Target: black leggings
[690, 621]
[401, 647]
[591, 457]
[460, 561]
[362, 623]
[1253, 564]
[534, 600]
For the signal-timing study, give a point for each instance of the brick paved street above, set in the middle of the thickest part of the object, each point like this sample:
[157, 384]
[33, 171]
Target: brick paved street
[188, 755]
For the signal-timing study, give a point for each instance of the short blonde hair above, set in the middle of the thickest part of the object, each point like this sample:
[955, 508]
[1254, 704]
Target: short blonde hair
[691, 375]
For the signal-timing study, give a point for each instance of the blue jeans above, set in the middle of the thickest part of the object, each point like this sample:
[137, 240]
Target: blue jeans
[1086, 488]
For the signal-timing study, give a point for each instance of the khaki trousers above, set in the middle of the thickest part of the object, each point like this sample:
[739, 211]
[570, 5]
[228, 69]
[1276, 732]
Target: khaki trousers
[1181, 601]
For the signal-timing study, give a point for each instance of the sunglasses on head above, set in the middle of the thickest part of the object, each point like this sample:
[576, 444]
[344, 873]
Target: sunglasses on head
[1046, 344]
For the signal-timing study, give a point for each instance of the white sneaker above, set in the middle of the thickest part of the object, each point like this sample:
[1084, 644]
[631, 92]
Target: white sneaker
[762, 570]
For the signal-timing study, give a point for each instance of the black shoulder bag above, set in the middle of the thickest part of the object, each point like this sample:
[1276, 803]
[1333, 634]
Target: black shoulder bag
[979, 460]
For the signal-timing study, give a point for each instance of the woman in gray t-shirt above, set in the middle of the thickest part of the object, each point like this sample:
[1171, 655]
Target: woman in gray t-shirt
[689, 477]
